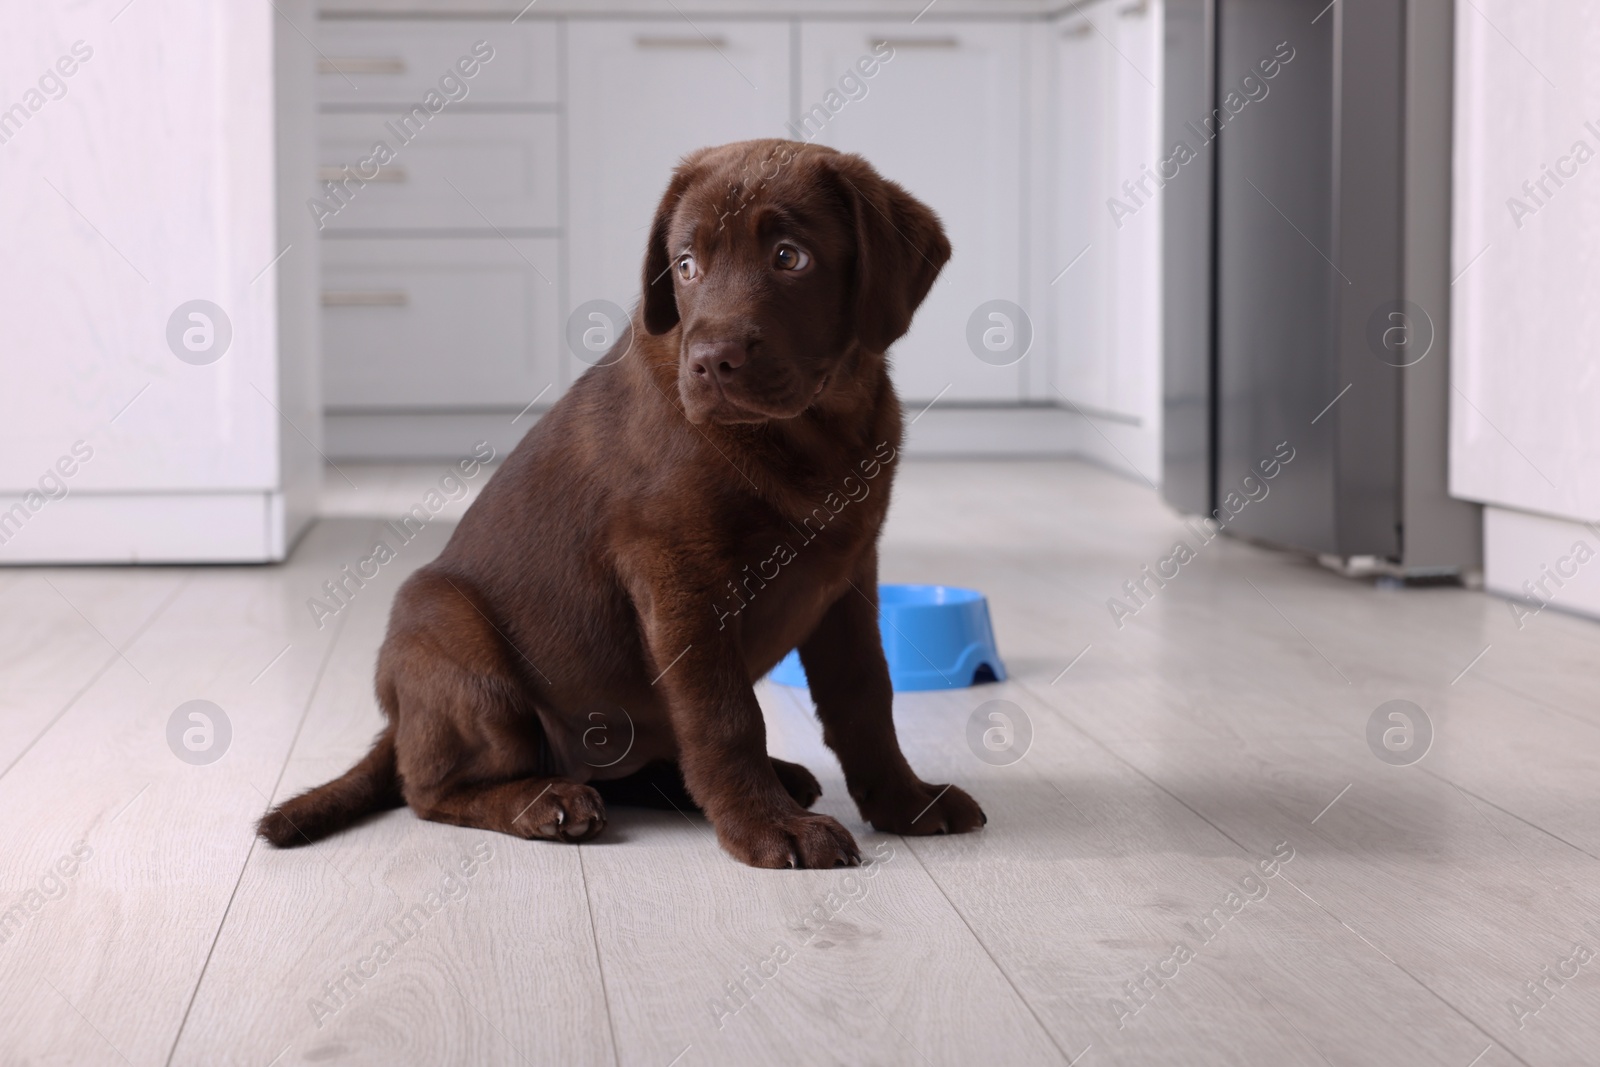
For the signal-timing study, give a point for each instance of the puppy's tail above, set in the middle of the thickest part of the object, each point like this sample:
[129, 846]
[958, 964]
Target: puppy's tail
[370, 786]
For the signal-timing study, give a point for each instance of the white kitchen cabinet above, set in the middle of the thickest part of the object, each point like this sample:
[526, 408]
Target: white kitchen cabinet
[1524, 359]
[438, 323]
[1107, 306]
[441, 306]
[1084, 149]
[1014, 133]
[642, 95]
[1136, 307]
[943, 116]
[158, 350]
[1524, 366]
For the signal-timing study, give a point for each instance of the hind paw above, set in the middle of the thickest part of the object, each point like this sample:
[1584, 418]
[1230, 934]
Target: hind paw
[562, 811]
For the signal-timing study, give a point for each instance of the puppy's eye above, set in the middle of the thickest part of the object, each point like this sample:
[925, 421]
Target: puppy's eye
[688, 269]
[788, 257]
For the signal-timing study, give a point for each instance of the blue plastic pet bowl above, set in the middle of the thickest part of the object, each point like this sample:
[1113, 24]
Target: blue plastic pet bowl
[934, 636]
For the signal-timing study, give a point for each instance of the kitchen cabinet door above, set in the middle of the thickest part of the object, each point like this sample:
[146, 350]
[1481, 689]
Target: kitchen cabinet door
[1107, 303]
[1524, 366]
[642, 95]
[1136, 70]
[943, 116]
[1085, 239]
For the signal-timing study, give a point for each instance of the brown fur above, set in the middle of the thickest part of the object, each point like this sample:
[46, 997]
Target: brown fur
[682, 518]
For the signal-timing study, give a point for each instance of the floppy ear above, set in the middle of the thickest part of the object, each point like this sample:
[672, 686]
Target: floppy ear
[900, 249]
[660, 299]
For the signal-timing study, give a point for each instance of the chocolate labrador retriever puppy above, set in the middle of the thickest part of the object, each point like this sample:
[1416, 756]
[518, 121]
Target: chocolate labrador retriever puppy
[706, 498]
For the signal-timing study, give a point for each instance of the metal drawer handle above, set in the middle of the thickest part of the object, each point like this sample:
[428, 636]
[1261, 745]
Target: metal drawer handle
[1133, 10]
[681, 42]
[1082, 29]
[368, 298]
[915, 42]
[362, 65]
[326, 173]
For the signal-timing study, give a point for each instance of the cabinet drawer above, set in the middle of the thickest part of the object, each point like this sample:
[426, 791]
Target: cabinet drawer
[457, 171]
[371, 63]
[438, 323]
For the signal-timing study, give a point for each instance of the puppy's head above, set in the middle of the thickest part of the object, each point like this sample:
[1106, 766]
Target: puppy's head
[783, 266]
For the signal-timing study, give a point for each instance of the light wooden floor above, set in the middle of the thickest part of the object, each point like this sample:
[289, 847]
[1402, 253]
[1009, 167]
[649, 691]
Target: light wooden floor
[1228, 717]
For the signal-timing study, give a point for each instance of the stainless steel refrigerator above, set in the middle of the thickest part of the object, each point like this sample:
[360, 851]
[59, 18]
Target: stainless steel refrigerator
[1306, 284]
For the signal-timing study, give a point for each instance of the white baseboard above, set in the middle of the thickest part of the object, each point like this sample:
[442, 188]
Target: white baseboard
[941, 431]
[1034, 432]
[402, 437]
[945, 430]
[102, 528]
[1521, 547]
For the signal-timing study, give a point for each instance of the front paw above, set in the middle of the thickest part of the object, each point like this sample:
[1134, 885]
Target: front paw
[800, 840]
[923, 809]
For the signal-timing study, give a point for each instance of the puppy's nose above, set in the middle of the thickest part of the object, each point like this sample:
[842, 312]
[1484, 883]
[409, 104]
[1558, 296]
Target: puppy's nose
[717, 359]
